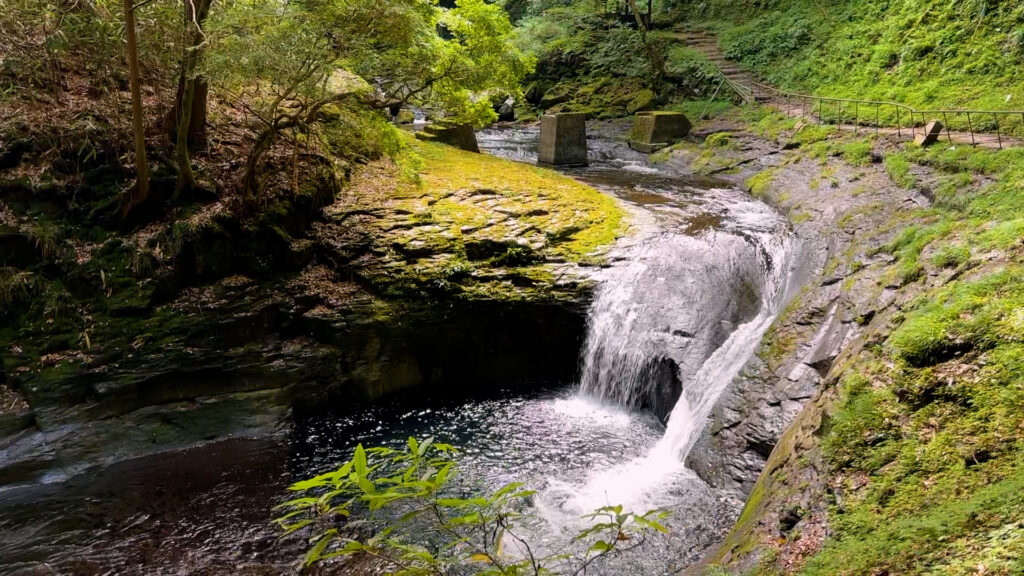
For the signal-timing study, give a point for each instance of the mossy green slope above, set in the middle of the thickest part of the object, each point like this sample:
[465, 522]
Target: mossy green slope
[913, 454]
[924, 53]
[932, 417]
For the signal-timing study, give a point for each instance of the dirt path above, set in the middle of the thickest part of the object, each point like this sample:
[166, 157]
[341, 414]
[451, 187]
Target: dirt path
[707, 45]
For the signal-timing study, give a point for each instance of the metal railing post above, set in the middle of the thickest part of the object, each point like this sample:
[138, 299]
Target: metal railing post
[796, 103]
[706, 106]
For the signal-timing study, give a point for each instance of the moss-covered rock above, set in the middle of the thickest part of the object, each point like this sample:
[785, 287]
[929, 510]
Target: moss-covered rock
[460, 214]
[643, 100]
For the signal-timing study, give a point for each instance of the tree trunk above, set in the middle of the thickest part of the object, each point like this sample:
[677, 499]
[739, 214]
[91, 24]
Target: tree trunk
[250, 182]
[186, 179]
[654, 53]
[195, 12]
[141, 190]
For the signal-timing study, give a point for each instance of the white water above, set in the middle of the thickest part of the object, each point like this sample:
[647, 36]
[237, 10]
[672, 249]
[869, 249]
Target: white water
[697, 288]
[676, 296]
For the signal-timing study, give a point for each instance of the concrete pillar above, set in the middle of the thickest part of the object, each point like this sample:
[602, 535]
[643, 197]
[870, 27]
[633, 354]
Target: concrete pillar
[655, 130]
[930, 134]
[563, 140]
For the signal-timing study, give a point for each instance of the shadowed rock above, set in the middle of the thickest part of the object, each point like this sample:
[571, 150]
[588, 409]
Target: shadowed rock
[461, 136]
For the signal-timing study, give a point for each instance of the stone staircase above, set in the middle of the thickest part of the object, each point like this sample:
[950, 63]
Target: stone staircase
[707, 45]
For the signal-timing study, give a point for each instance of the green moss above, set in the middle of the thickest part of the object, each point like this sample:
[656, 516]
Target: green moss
[812, 134]
[559, 203]
[951, 256]
[801, 217]
[857, 152]
[766, 121]
[928, 54]
[760, 184]
[963, 316]
[934, 439]
[911, 544]
[898, 168]
[720, 140]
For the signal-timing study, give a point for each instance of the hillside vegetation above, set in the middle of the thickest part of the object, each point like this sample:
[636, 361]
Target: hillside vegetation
[925, 53]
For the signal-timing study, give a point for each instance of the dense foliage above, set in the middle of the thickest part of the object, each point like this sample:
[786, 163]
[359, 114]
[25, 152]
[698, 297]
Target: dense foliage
[274, 68]
[595, 60]
[925, 53]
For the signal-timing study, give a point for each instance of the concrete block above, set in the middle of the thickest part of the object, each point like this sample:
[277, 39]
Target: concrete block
[655, 130]
[563, 140]
[930, 135]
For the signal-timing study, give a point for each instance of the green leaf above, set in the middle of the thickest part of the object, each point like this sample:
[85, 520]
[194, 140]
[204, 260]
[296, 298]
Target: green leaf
[298, 503]
[323, 540]
[600, 546]
[366, 485]
[424, 446]
[359, 461]
[442, 476]
[290, 528]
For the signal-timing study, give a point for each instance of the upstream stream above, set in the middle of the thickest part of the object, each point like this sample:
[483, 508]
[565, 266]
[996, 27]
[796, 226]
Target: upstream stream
[678, 313]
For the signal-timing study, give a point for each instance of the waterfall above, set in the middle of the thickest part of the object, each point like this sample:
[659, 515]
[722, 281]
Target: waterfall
[673, 324]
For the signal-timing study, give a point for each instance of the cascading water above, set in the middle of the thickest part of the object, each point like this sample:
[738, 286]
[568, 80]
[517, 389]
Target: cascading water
[672, 327]
[674, 320]
[669, 328]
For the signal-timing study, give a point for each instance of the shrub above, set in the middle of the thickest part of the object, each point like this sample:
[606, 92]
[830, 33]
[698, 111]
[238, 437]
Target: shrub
[390, 503]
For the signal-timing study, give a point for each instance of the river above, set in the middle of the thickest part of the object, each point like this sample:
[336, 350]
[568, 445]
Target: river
[688, 295]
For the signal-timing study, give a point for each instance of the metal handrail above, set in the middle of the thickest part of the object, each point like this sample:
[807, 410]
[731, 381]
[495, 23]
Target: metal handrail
[744, 92]
[878, 104]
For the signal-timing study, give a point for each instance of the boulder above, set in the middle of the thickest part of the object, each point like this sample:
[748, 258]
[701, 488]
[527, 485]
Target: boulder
[930, 134]
[662, 374]
[558, 94]
[655, 130]
[460, 135]
[644, 100]
[507, 110]
[405, 117]
[534, 93]
[563, 140]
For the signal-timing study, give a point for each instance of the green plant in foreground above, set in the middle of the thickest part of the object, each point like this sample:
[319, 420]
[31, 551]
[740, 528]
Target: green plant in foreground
[395, 507]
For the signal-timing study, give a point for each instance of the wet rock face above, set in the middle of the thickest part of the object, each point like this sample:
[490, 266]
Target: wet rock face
[244, 325]
[829, 301]
[663, 373]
